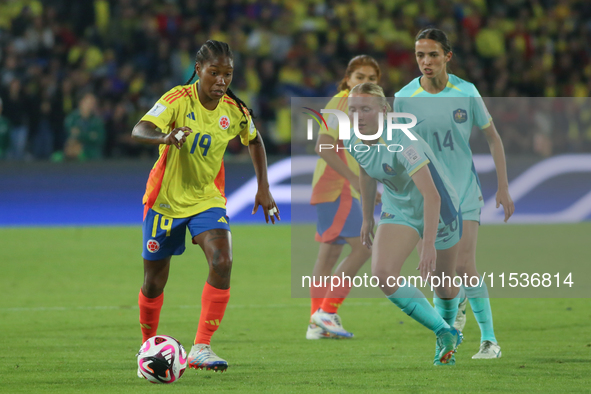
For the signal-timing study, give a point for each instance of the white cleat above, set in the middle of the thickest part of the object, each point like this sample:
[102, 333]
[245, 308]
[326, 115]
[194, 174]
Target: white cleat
[488, 349]
[317, 332]
[201, 356]
[330, 322]
[460, 321]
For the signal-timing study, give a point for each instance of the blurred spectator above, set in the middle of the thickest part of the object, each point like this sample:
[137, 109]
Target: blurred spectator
[86, 131]
[4, 133]
[15, 109]
[124, 51]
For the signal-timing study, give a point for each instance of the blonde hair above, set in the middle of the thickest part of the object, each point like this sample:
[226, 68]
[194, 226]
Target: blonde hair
[373, 90]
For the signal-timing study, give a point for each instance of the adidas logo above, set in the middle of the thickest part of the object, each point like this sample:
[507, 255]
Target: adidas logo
[213, 323]
[222, 220]
[191, 115]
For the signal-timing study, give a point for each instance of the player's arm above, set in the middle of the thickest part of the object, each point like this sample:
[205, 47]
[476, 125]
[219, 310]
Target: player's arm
[431, 206]
[368, 196]
[498, 153]
[326, 149]
[256, 148]
[148, 133]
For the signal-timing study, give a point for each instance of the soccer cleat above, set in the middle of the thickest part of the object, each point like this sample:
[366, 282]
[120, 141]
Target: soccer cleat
[488, 349]
[316, 332]
[460, 321]
[448, 342]
[436, 362]
[201, 356]
[330, 322]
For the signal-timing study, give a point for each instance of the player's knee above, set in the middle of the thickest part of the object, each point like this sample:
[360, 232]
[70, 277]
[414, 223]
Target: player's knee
[153, 286]
[381, 274]
[222, 264]
[465, 263]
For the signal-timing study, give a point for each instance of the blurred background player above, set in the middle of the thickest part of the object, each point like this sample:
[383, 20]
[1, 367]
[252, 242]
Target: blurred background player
[186, 189]
[445, 123]
[418, 202]
[335, 193]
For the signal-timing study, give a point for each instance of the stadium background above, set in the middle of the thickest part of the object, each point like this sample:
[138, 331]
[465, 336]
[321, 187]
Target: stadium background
[70, 261]
[127, 53]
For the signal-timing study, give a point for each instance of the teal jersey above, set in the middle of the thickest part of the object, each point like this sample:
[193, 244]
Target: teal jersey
[445, 121]
[394, 170]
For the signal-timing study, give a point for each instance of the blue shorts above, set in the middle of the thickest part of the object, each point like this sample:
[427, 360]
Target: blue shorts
[164, 236]
[338, 220]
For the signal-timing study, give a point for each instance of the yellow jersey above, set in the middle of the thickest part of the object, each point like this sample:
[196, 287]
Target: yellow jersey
[191, 180]
[327, 184]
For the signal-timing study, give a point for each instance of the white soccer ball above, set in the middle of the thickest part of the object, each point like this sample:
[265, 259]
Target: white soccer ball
[162, 359]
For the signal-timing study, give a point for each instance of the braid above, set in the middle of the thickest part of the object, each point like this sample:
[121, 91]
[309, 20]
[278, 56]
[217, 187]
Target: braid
[192, 76]
[241, 104]
[212, 49]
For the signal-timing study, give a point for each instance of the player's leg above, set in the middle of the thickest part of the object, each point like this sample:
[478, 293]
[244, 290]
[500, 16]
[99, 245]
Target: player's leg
[328, 255]
[163, 237]
[216, 243]
[335, 297]
[151, 295]
[446, 297]
[477, 296]
[392, 246]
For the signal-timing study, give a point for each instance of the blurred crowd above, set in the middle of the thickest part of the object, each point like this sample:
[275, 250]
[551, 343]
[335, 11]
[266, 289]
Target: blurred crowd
[75, 76]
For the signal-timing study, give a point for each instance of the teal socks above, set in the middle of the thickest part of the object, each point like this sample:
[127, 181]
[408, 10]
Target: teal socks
[448, 309]
[480, 304]
[414, 304]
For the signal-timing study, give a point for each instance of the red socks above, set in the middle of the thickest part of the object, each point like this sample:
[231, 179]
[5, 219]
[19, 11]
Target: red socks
[213, 306]
[335, 298]
[149, 314]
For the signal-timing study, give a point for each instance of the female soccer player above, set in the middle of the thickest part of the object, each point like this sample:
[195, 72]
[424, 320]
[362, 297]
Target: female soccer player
[192, 124]
[418, 202]
[335, 193]
[445, 123]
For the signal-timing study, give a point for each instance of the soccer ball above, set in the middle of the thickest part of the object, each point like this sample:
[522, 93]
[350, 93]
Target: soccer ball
[162, 359]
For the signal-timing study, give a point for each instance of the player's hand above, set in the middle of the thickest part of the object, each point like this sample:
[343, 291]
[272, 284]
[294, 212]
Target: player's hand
[177, 139]
[504, 199]
[378, 198]
[428, 260]
[367, 234]
[266, 201]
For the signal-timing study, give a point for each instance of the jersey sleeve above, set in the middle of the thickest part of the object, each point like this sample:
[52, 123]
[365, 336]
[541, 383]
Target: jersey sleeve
[413, 158]
[249, 132]
[340, 103]
[165, 111]
[479, 111]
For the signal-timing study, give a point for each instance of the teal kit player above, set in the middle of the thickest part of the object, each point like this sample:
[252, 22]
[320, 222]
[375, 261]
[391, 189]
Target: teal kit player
[447, 108]
[446, 126]
[418, 202]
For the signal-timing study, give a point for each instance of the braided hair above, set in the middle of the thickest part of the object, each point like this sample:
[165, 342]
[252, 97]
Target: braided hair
[210, 50]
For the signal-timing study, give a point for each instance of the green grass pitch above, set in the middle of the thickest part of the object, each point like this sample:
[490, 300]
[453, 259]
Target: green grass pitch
[69, 321]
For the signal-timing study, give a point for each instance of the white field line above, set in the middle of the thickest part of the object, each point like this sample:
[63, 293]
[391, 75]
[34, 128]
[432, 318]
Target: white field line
[100, 308]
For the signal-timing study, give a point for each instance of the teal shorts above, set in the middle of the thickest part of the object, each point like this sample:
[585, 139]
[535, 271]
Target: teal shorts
[473, 215]
[447, 236]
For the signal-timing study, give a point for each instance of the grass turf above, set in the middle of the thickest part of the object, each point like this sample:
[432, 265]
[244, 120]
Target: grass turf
[69, 321]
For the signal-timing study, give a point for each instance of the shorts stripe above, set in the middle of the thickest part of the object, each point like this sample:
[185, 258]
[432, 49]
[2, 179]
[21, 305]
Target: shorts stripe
[333, 232]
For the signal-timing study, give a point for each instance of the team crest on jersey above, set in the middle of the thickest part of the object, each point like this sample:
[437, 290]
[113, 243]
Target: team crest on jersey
[460, 115]
[224, 122]
[386, 215]
[388, 169]
[153, 246]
